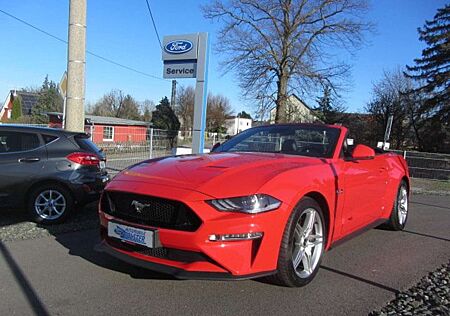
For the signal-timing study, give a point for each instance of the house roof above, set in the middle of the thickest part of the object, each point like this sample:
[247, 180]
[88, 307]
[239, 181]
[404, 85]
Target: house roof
[105, 120]
[28, 99]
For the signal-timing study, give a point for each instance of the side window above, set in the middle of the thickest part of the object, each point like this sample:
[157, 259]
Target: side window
[16, 142]
[49, 138]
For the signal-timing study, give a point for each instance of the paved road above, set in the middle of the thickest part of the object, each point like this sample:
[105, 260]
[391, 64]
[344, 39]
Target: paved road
[62, 275]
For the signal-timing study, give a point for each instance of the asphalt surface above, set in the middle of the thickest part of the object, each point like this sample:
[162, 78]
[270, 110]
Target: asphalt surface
[63, 275]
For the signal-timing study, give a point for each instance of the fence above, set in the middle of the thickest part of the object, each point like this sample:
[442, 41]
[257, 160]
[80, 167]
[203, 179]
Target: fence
[427, 165]
[157, 143]
[152, 143]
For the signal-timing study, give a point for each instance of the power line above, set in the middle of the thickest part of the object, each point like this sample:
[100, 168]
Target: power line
[154, 24]
[87, 51]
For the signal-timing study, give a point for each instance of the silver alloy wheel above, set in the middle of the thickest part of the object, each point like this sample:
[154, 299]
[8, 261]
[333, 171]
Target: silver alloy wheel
[50, 204]
[402, 206]
[308, 240]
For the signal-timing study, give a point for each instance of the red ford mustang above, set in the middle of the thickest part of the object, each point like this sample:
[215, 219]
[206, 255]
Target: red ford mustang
[268, 202]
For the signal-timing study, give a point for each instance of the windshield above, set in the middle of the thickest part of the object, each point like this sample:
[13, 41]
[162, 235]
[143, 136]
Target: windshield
[304, 140]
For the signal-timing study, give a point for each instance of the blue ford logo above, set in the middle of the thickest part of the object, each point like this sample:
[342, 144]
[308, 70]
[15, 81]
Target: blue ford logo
[178, 47]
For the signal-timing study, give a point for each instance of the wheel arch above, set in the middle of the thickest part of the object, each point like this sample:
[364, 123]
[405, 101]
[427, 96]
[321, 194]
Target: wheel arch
[408, 183]
[46, 182]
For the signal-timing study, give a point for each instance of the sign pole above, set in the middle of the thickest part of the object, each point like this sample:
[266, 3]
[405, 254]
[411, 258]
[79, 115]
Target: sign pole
[186, 56]
[201, 95]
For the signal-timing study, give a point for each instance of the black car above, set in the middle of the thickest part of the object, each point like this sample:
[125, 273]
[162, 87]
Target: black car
[49, 171]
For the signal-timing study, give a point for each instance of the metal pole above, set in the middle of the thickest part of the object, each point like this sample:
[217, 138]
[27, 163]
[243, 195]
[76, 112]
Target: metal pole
[201, 94]
[151, 143]
[64, 113]
[76, 60]
[174, 93]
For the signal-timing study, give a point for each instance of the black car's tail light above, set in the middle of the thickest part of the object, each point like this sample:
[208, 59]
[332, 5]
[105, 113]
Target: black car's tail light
[85, 159]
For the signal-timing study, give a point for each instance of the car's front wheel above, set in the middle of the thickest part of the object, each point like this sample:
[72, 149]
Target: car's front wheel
[302, 246]
[50, 204]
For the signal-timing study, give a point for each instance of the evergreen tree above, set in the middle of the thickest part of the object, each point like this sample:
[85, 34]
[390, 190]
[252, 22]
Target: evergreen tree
[329, 110]
[432, 70]
[244, 114]
[49, 101]
[16, 109]
[432, 73]
[164, 118]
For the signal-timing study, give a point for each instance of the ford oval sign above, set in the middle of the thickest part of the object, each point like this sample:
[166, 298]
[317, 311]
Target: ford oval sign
[178, 47]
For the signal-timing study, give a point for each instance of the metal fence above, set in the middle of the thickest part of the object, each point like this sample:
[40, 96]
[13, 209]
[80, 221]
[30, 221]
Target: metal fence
[158, 143]
[427, 165]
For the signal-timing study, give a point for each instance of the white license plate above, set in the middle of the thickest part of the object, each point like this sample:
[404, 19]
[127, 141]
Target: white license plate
[131, 234]
[102, 164]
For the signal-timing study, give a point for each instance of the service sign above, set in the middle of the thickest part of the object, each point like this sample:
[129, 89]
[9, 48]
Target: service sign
[180, 69]
[180, 47]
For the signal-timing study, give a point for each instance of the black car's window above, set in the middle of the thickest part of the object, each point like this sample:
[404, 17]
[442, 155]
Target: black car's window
[17, 141]
[305, 140]
[85, 143]
[49, 138]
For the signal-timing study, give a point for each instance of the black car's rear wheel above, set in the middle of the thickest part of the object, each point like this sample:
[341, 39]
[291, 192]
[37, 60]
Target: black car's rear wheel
[302, 246]
[50, 203]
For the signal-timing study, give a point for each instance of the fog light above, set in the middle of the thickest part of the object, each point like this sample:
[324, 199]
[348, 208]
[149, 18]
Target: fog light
[235, 237]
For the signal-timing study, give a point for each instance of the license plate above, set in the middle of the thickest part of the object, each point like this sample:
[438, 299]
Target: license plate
[131, 234]
[102, 164]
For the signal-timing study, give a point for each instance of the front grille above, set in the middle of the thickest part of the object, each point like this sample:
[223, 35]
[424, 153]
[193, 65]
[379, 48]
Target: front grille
[161, 252]
[149, 210]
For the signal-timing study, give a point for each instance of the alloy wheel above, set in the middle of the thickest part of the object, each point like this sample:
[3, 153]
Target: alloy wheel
[308, 243]
[50, 204]
[402, 206]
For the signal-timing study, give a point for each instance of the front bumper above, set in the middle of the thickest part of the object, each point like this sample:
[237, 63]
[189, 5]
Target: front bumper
[178, 273]
[212, 259]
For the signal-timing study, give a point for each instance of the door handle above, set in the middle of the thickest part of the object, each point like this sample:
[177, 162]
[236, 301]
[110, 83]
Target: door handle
[30, 159]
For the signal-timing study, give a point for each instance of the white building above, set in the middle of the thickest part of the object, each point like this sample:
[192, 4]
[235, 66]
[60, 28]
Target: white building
[236, 125]
[296, 111]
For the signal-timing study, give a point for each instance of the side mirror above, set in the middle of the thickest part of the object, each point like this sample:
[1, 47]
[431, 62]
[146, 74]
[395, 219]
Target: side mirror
[216, 145]
[362, 152]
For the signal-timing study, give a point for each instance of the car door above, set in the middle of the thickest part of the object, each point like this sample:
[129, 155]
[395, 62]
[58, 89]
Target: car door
[363, 189]
[22, 157]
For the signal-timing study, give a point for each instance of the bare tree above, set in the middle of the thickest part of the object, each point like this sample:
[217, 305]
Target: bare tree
[218, 110]
[185, 106]
[116, 104]
[390, 97]
[147, 106]
[281, 46]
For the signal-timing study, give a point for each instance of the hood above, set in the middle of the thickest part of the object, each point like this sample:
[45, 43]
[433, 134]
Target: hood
[216, 174]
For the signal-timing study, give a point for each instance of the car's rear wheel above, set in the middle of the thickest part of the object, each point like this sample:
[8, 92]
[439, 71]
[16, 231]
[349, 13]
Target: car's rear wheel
[399, 214]
[302, 246]
[50, 204]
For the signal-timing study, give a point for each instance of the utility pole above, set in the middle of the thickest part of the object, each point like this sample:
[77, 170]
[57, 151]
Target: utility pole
[76, 60]
[174, 94]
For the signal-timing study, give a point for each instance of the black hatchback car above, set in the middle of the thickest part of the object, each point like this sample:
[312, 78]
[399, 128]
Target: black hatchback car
[49, 171]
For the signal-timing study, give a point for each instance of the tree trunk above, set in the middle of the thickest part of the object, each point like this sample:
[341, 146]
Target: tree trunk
[282, 98]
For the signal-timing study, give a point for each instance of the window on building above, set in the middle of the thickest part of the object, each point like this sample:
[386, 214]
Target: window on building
[108, 133]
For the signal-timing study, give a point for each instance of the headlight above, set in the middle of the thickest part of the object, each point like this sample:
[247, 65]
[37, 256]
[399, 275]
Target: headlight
[251, 204]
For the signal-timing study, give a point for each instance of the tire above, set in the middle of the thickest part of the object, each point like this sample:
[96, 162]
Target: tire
[399, 214]
[50, 204]
[302, 246]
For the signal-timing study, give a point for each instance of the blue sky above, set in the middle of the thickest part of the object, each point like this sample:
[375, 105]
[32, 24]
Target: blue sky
[122, 31]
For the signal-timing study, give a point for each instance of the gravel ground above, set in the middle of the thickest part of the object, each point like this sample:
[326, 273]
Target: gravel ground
[431, 296]
[15, 225]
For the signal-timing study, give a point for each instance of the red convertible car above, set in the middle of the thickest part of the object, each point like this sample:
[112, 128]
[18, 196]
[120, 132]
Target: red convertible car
[268, 202]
